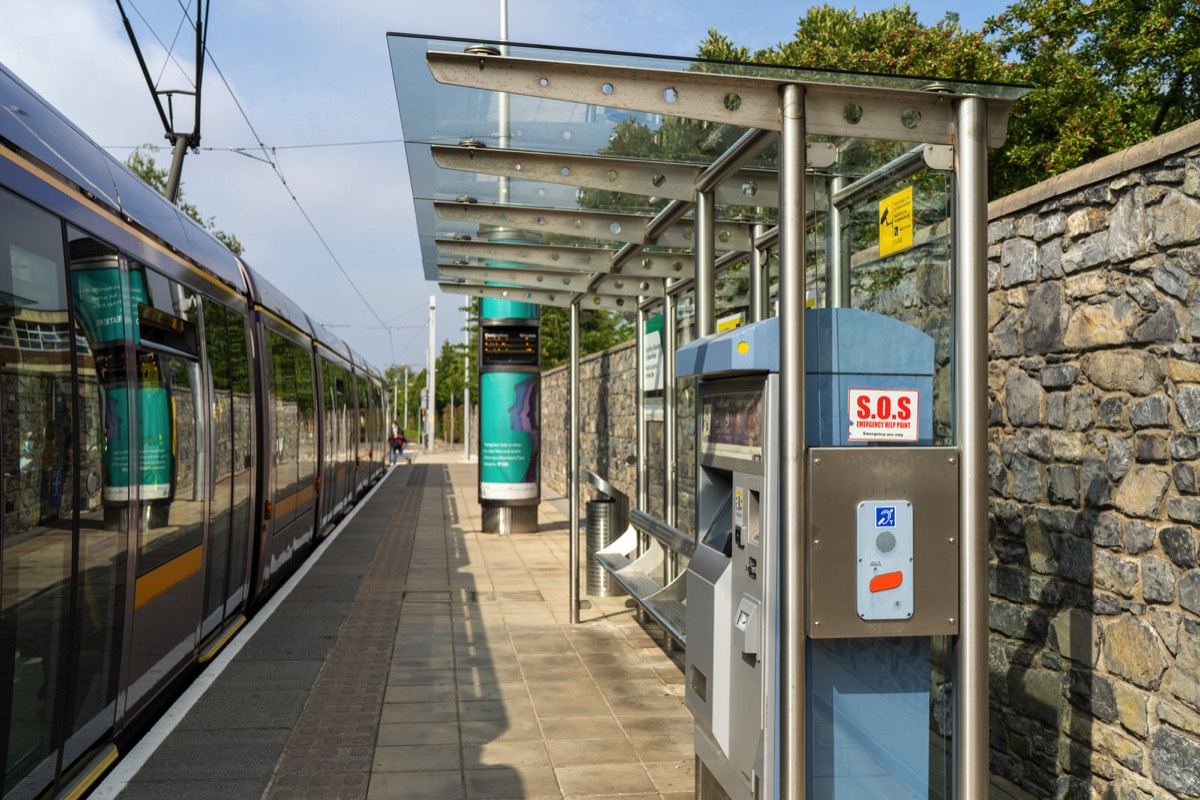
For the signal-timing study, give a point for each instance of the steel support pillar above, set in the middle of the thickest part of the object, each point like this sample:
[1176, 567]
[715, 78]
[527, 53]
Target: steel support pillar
[971, 418]
[837, 265]
[668, 363]
[792, 688]
[760, 279]
[706, 304]
[573, 477]
[643, 468]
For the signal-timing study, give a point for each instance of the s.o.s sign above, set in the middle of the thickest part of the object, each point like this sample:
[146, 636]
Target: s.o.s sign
[883, 415]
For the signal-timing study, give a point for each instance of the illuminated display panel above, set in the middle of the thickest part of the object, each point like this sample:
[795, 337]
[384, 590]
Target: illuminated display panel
[510, 345]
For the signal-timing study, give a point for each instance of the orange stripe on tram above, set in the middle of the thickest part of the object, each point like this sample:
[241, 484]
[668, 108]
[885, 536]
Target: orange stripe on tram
[170, 574]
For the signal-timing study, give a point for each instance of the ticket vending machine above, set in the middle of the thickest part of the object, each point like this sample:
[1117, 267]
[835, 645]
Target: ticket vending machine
[881, 551]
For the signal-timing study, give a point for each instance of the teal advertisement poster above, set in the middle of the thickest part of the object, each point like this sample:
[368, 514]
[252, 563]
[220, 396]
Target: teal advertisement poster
[154, 454]
[510, 429]
[98, 304]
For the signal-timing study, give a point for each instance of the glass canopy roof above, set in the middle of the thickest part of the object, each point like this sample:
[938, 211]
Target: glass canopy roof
[564, 155]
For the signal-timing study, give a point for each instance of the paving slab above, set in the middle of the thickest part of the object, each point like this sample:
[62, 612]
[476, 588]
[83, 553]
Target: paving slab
[423, 658]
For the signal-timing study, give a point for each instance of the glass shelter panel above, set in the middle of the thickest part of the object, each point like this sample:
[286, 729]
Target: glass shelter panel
[685, 420]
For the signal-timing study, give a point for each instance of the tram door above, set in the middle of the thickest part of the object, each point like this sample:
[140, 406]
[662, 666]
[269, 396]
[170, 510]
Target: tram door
[230, 475]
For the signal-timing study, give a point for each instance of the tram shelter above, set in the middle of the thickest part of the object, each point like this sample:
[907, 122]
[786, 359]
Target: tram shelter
[692, 192]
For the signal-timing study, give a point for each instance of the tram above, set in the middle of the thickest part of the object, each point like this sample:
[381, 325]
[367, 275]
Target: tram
[175, 435]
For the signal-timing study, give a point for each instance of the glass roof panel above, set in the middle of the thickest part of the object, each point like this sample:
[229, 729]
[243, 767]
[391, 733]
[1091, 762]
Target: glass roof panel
[434, 114]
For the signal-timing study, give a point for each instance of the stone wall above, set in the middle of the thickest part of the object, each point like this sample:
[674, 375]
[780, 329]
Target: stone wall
[1094, 377]
[607, 420]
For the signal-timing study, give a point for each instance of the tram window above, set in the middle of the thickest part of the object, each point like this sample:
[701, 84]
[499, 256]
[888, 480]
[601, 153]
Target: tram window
[243, 444]
[171, 424]
[306, 418]
[286, 426]
[38, 484]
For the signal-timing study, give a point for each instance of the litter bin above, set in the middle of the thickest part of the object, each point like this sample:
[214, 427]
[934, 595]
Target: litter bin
[607, 519]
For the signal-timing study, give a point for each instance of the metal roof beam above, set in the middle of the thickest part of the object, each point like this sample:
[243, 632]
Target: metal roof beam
[750, 102]
[594, 225]
[552, 280]
[541, 297]
[576, 259]
[665, 179]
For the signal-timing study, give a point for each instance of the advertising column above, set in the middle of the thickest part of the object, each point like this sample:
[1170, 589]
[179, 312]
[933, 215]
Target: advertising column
[510, 416]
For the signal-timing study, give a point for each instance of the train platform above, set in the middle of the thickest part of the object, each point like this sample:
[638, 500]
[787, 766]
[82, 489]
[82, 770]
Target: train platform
[415, 656]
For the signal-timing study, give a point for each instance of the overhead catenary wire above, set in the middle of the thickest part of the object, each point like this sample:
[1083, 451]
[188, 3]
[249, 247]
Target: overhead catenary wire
[270, 156]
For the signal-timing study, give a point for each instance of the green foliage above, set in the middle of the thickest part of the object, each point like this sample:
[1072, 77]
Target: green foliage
[141, 162]
[1105, 74]
[598, 330]
[1108, 74]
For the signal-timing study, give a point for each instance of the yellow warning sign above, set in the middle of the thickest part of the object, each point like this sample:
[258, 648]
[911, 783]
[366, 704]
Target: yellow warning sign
[895, 222]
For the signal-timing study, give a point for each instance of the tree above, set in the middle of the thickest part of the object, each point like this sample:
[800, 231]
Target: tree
[1108, 74]
[598, 330]
[141, 163]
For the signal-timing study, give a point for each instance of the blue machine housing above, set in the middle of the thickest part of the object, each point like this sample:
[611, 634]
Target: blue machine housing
[845, 348]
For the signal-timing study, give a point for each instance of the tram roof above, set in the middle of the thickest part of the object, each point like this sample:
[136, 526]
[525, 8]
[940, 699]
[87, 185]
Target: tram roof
[568, 174]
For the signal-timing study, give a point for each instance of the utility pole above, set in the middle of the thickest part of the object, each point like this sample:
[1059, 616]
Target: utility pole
[405, 425]
[429, 424]
[467, 387]
[180, 141]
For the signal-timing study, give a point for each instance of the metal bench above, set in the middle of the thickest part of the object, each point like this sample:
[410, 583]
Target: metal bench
[644, 576]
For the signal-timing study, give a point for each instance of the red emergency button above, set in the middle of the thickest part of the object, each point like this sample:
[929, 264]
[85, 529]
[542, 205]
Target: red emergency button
[888, 580]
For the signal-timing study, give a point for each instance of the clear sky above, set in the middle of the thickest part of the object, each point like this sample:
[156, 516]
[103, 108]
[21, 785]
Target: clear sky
[309, 72]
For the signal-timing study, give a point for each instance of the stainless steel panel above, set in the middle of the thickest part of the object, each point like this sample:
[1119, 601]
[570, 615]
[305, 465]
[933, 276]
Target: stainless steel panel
[842, 477]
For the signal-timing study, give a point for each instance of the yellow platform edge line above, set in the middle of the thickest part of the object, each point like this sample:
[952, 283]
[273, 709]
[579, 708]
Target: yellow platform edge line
[85, 783]
[211, 651]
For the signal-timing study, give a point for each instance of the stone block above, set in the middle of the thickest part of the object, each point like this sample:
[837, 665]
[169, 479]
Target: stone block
[1158, 581]
[1023, 399]
[1172, 280]
[1011, 583]
[1059, 376]
[1132, 652]
[1075, 634]
[1043, 319]
[1141, 493]
[1093, 693]
[1184, 447]
[1179, 544]
[1173, 759]
[1139, 537]
[1114, 574]
[1161, 326]
[1026, 479]
[1110, 413]
[1176, 220]
[1135, 372]
[1184, 509]
[1120, 458]
[1127, 751]
[1150, 412]
[1127, 236]
[1063, 485]
[1037, 693]
[1167, 623]
[1184, 476]
[1018, 262]
[1103, 325]
[1187, 403]
[1075, 559]
[1133, 709]
[1151, 448]
[1189, 592]
[1106, 530]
